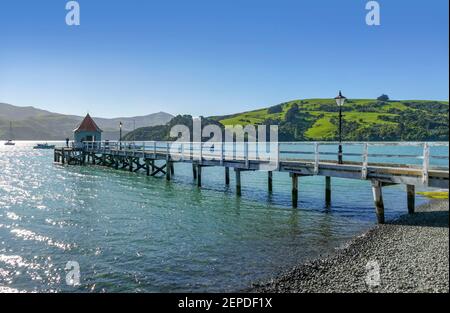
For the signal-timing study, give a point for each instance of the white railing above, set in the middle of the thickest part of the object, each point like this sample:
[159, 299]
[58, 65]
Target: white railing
[424, 156]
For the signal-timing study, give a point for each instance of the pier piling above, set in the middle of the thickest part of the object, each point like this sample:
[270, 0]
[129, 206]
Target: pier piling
[199, 175]
[411, 195]
[238, 181]
[227, 176]
[194, 171]
[327, 191]
[168, 171]
[270, 181]
[294, 177]
[378, 200]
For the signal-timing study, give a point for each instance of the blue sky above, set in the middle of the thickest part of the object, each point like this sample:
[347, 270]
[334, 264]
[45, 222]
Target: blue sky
[211, 57]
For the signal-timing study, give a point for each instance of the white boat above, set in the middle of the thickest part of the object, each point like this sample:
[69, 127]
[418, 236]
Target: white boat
[10, 142]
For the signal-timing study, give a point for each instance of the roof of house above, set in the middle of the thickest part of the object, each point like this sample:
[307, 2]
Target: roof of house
[88, 125]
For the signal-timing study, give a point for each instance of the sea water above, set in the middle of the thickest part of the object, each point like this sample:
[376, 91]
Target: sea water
[132, 233]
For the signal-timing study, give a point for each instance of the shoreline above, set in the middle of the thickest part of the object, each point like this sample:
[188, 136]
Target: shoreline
[409, 254]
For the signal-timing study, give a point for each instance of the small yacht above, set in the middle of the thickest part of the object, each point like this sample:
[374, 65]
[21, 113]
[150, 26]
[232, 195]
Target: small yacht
[10, 142]
[43, 146]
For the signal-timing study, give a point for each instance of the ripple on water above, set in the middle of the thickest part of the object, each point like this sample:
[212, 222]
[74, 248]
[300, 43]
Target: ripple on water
[29, 235]
[12, 216]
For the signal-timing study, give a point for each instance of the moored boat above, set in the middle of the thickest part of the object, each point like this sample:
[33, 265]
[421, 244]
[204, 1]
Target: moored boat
[43, 146]
[10, 142]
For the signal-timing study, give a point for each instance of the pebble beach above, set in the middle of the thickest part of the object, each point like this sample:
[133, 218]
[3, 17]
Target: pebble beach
[410, 254]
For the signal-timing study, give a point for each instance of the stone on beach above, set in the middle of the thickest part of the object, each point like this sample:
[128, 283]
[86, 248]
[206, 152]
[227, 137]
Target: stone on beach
[412, 254]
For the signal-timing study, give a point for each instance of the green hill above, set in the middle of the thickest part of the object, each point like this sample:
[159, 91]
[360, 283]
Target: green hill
[364, 119]
[317, 119]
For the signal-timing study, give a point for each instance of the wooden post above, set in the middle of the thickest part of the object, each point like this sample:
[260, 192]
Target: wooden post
[168, 163]
[411, 194]
[316, 158]
[270, 181]
[378, 200]
[294, 190]
[182, 152]
[138, 164]
[199, 175]
[365, 161]
[201, 153]
[238, 181]
[168, 171]
[147, 167]
[63, 157]
[130, 159]
[194, 171]
[426, 163]
[222, 155]
[247, 162]
[328, 190]
[172, 169]
[227, 176]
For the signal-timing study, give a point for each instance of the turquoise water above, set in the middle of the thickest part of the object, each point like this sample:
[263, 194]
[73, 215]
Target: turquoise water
[132, 233]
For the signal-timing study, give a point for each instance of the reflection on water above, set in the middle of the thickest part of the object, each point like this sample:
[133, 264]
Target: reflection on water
[130, 232]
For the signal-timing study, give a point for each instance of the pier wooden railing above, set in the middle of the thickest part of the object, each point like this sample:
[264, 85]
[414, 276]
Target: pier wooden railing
[421, 155]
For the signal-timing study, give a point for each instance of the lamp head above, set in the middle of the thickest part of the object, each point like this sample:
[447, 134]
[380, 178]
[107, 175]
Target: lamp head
[340, 99]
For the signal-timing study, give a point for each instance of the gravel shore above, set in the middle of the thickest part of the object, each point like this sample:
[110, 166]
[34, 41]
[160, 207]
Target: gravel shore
[410, 254]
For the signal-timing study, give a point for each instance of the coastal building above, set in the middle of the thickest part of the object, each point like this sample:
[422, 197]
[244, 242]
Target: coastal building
[87, 131]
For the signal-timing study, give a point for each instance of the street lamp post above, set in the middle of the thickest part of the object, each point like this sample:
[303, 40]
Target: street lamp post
[120, 135]
[340, 100]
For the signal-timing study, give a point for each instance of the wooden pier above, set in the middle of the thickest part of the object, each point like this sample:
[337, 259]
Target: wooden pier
[158, 158]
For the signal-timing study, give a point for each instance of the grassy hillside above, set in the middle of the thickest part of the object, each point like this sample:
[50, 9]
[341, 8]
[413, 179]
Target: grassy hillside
[364, 119]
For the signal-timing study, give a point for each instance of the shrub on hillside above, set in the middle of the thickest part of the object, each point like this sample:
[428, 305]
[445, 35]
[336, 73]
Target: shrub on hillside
[275, 109]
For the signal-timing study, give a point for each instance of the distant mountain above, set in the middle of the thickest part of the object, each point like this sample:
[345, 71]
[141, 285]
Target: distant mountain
[162, 132]
[30, 123]
[317, 120]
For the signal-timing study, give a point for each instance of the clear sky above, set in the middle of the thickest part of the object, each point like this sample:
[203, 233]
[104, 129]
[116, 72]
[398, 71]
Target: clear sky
[211, 57]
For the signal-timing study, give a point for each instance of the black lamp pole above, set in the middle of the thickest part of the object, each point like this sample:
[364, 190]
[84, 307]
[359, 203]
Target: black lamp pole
[340, 100]
[340, 136]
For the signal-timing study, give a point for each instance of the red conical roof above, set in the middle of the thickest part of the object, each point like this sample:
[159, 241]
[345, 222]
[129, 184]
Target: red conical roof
[88, 125]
